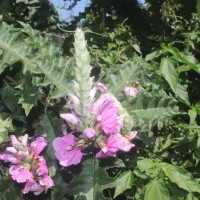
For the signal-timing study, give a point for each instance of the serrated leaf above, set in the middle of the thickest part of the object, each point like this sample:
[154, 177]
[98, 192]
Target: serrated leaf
[37, 55]
[123, 182]
[156, 189]
[146, 108]
[91, 181]
[169, 72]
[181, 177]
[125, 74]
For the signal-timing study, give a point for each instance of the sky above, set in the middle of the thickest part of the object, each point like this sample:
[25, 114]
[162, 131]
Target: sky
[66, 15]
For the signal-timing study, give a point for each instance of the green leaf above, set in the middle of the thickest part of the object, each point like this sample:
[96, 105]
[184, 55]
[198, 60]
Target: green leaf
[144, 164]
[123, 75]
[181, 177]
[8, 190]
[156, 189]
[145, 108]
[198, 8]
[169, 72]
[124, 182]
[6, 126]
[37, 55]
[91, 181]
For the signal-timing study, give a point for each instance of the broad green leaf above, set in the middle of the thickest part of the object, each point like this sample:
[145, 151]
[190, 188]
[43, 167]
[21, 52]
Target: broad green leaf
[123, 182]
[91, 181]
[151, 56]
[181, 177]
[156, 189]
[144, 164]
[169, 72]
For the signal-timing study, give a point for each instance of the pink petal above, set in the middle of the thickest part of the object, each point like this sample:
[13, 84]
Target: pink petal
[15, 142]
[42, 168]
[132, 135]
[38, 145]
[19, 174]
[101, 87]
[29, 186]
[7, 157]
[25, 139]
[69, 118]
[60, 143]
[46, 181]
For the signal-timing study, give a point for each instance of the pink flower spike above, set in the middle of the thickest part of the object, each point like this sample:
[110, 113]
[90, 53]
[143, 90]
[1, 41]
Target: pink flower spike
[89, 133]
[66, 150]
[69, 118]
[131, 91]
[38, 145]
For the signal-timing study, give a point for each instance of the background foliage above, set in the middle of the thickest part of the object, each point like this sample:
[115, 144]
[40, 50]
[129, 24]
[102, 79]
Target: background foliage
[153, 46]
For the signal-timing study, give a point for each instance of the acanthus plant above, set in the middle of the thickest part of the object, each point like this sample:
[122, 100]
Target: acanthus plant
[94, 113]
[95, 118]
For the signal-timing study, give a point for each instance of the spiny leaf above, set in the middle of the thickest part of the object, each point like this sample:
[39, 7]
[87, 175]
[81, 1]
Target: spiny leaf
[37, 55]
[5, 127]
[125, 74]
[146, 108]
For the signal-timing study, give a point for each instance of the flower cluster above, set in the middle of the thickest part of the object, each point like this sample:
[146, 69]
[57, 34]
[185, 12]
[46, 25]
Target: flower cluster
[103, 131]
[27, 166]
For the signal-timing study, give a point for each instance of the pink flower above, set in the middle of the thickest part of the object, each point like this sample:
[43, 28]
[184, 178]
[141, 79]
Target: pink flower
[27, 166]
[101, 87]
[66, 150]
[110, 146]
[89, 133]
[106, 114]
[131, 91]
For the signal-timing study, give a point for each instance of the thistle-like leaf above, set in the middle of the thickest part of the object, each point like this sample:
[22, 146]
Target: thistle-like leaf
[125, 74]
[146, 108]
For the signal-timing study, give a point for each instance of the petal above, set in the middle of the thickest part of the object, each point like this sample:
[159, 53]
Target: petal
[25, 139]
[15, 142]
[60, 143]
[19, 174]
[46, 181]
[42, 168]
[89, 133]
[29, 186]
[71, 157]
[131, 91]
[7, 157]
[69, 118]
[38, 145]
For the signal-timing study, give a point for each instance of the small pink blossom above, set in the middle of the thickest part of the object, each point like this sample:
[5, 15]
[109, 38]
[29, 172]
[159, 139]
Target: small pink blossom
[89, 133]
[67, 151]
[38, 145]
[101, 87]
[110, 146]
[131, 91]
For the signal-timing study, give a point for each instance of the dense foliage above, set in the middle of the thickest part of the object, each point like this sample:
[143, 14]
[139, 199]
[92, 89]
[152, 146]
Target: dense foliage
[154, 49]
